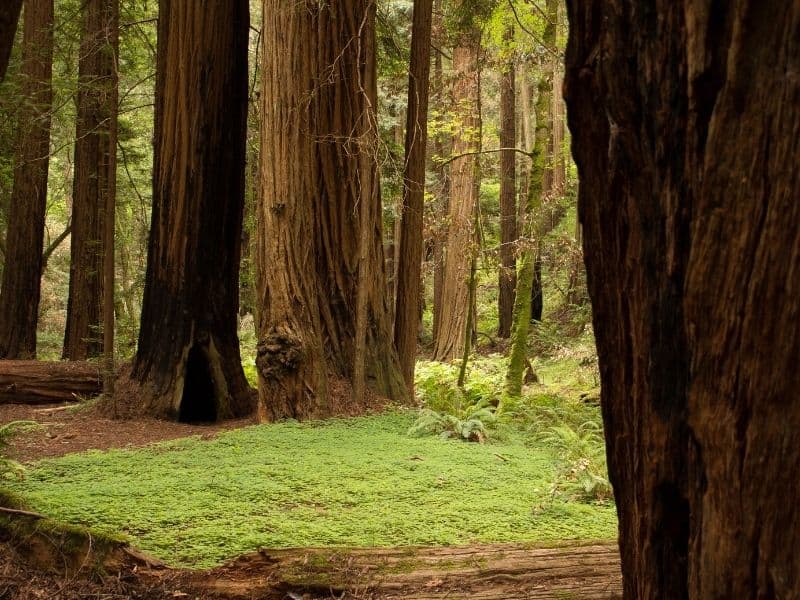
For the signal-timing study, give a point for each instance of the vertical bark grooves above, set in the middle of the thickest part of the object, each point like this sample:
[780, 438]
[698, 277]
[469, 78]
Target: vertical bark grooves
[407, 312]
[91, 183]
[191, 289]
[508, 193]
[9, 18]
[19, 298]
[330, 108]
[685, 131]
[449, 338]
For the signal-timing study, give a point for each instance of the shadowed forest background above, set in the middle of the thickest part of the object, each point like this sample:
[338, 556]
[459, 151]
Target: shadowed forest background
[297, 275]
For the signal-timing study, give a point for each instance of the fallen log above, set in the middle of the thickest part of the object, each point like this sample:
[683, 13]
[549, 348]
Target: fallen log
[40, 382]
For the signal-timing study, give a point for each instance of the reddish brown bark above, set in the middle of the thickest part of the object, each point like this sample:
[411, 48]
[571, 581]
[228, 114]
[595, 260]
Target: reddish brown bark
[37, 382]
[326, 311]
[409, 269]
[450, 337]
[686, 131]
[508, 193]
[19, 298]
[188, 362]
[92, 180]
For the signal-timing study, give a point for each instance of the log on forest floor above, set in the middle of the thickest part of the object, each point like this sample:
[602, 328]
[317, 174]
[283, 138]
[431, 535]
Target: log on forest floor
[40, 382]
[502, 571]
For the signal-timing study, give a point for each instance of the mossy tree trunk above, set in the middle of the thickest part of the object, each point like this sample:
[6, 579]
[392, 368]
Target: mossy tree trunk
[326, 312]
[187, 361]
[9, 18]
[92, 183]
[685, 126]
[534, 218]
[19, 297]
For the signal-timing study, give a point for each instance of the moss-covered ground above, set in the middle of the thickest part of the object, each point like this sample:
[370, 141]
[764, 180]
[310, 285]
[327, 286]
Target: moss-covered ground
[357, 482]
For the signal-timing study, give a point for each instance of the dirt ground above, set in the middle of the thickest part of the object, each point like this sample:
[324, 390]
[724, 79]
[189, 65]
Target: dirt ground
[65, 430]
[481, 572]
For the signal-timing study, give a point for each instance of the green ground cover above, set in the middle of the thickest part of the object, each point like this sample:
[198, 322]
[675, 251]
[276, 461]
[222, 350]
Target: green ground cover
[356, 482]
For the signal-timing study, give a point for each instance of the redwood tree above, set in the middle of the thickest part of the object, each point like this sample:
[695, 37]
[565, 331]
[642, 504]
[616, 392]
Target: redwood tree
[187, 361]
[686, 122]
[508, 191]
[325, 310]
[19, 298]
[449, 335]
[9, 17]
[409, 269]
[94, 146]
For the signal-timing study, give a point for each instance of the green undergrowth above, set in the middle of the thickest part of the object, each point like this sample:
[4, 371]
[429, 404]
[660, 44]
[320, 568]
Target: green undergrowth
[355, 482]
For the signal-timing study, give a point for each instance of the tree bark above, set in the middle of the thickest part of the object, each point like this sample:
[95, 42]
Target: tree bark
[409, 270]
[449, 338]
[534, 222]
[9, 19]
[19, 298]
[441, 143]
[37, 382]
[92, 179]
[327, 312]
[508, 194]
[685, 128]
[188, 362]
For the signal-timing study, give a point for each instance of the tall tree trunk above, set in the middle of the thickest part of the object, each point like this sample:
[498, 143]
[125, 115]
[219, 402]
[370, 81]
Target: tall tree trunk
[441, 143]
[409, 270]
[320, 212]
[686, 131]
[188, 356]
[19, 298]
[9, 18]
[92, 179]
[508, 193]
[449, 340]
[534, 218]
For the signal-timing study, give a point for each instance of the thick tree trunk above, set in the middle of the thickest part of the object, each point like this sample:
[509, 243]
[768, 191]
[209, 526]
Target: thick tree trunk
[19, 298]
[529, 279]
[188, 360]
[320, 216]
[409, 270]
[685, 127]
[37, 382]
[92, 179]
[9, 18]
[460, 242]
[508, 194]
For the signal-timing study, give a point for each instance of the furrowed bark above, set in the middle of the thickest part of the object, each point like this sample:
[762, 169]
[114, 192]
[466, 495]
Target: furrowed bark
[188, 362]
[407, 312]
[19, 298]
[685, 132]
[311, 308]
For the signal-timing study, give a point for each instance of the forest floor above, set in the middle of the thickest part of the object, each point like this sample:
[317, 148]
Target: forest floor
[65, 430]
[429, 491]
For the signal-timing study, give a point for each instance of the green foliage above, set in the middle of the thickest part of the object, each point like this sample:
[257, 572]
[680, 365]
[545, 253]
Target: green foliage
[11, 468]
[470, 423]
[583, 473]
[355, 482]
